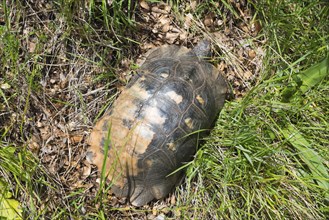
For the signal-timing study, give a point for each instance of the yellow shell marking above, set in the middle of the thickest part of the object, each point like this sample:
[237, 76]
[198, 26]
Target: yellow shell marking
[189, 122]
[200, 99]
[174, 96]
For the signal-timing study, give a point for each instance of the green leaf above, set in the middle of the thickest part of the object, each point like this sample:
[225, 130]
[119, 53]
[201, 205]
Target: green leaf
[305, 80]
[309, 157]
[9, 208]
[314, 75]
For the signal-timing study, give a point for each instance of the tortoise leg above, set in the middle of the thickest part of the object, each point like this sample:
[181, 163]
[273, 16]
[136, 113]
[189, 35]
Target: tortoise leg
[141, 196]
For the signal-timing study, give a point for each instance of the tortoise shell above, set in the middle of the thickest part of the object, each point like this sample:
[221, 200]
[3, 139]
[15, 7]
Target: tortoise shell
[153, 127]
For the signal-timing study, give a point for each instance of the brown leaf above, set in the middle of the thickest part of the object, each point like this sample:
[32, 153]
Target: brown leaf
[63, 81]
[164, 20]
[144, 5]
[86, 170]
[176, 30]
[5, 86]
[193, 5]
[78, 184]
[183, 36]
[32, 47]
[147, 46]
[245, 28]
[76, 139]
[247, 74]
[209, 19]
[173, 200]
[33, 144]
[167, 8]
[252, 54]
[188, 21]
[166, 28]
[45, 133]
[171, 37]
[157, 10]
[255, 28]
[154, 211]
[221, 66]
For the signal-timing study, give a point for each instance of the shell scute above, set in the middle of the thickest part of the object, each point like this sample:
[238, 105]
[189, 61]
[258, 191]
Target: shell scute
[193, 120]
[168, 114]
[178, 91]
[191, 73]
[160, 68]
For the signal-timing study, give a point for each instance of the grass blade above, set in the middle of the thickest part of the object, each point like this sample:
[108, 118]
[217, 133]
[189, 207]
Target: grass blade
[314, 75]
[309, 156]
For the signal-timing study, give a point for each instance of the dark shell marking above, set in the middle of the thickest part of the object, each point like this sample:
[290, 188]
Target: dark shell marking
[152, 122]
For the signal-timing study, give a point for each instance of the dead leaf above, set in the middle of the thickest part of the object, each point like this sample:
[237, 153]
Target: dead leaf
[33, 144]
[209, 19]
[32, 46]
[5, 86]
[144, 5]
[247, 75]
[45, 133]
[221, 66]
[208, 22]
[166, 28]
[164, 20]
[176, 30]
[252, 54]
[171, 37]
[167, 8]
[245, 28]
[173, 200]
[154, 211]
[255, 27]
[183, 36]
[193, 5]
[78, 184]
[188, 21]
[76, 139]
[157, 10]
[63, 81]
[147, 46]
[86, 170]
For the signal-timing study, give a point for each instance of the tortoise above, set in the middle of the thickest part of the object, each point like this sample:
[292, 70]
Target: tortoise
[153, 127]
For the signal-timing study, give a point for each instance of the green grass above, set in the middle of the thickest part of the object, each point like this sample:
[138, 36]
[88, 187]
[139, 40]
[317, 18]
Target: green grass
[27, 60]
[266, 158]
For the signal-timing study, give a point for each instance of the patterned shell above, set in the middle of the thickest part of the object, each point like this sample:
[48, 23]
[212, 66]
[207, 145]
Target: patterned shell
[153, 127]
